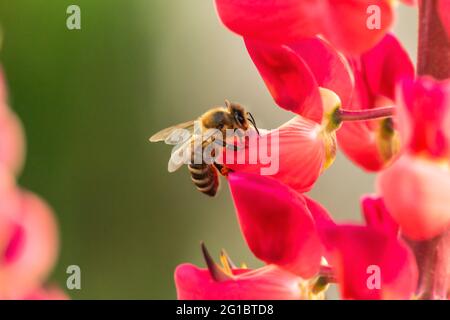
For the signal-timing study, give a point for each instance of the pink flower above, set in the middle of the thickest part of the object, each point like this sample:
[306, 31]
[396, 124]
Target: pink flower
[294, 232]
[415, 188]
[29, 243]
[359, 252]
[373, 144]
[293, 74]
[266, 283]
[299, 153]
[344, 23]
[280, 229]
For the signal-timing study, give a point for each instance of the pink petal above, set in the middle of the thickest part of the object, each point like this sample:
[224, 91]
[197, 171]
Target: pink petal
[423, 109]
[297, 154]
[286, 21]
[360, 143]
[267, 283]
[288, 78]
[376, 74]
[377, 216]
[32, 250]
[416, 193]
[330, 69]
[279, 21]
[276, 223]
[386, 64]
[346, 24]
[356, 250]
[320, 214]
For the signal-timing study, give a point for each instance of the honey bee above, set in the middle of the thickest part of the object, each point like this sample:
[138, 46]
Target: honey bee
[204, 175]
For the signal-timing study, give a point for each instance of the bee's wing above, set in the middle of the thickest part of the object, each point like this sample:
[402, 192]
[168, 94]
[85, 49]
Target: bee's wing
[183, 152]
[165, 133]
[179, 156]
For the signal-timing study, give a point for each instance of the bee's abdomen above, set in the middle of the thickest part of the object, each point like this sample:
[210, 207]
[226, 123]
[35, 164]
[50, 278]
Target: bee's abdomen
[205, 178]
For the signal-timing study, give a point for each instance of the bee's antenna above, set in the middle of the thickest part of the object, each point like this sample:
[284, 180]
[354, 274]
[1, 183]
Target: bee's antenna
[252, 120]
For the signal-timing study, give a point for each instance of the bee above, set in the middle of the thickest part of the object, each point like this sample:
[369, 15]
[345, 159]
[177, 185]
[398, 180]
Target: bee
[205, 176]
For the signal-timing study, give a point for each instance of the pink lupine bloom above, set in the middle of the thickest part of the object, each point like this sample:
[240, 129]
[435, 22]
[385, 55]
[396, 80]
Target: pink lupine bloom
[266, 283]
[294, 232]
[344, 23]
[295, 73]
[373, 144]
[415, 188]
[378, 249]
[51, 293]
[279, 230]
[301, 149]
[29, 250]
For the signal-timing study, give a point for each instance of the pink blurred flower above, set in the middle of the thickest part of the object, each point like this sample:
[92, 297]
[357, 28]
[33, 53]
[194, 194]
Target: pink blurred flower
[29, 249]
[344, 23]
[50, 293]
[415, 188]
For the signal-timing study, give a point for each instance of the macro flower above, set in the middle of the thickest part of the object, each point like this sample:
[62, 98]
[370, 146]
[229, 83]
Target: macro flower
[300, 150]
[279, 230]
[294, 232]
[296, 73]
[373, 144]
[343, 23]
[415, 188]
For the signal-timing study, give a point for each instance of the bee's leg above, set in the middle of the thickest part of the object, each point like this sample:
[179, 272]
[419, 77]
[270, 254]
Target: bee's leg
[222, 169]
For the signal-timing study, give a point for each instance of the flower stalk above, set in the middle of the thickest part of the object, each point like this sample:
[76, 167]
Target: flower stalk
[432, 255]
[366, 114]
[434, 44]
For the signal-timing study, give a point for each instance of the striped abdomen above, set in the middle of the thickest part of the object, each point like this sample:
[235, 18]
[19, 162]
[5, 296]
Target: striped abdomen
[205, 178]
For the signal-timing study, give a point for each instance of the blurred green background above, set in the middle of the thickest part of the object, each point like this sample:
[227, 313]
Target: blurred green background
[90, 98]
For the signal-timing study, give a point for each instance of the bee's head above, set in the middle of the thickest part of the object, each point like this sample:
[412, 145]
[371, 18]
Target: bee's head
[241, 117]
[239, 114]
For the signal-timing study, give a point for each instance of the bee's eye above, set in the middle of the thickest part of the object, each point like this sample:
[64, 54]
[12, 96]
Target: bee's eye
[240, 119]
